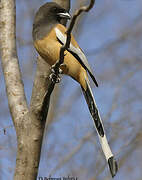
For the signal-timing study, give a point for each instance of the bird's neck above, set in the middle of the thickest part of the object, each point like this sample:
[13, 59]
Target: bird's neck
[40, 31]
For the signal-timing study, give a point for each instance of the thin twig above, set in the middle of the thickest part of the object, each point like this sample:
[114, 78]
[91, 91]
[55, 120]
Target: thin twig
[69, 30]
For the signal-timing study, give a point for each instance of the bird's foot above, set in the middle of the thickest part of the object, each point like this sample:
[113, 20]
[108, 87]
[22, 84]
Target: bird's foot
[55, 78]
[60, 71]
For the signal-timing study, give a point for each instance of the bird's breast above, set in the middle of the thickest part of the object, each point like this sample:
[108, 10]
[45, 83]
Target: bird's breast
[49, 50]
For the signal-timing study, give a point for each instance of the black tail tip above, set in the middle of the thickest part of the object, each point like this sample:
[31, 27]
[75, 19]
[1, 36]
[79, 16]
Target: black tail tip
[112, 166]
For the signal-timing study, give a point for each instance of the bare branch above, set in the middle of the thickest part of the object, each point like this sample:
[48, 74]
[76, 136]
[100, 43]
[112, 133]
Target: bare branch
[14, 85]
[28, 124]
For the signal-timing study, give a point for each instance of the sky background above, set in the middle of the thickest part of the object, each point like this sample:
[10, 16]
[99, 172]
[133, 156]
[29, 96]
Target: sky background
[111, 37]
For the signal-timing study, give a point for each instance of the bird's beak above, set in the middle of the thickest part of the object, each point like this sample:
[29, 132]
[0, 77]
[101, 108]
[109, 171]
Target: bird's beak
[65, 15]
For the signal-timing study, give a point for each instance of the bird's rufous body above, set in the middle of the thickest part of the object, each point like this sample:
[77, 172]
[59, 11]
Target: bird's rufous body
[50, 52]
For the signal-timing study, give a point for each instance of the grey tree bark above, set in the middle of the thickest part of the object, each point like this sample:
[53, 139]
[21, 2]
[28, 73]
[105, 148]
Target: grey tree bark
[29, 122]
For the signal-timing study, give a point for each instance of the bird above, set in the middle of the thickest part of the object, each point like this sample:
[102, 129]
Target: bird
[49, 34]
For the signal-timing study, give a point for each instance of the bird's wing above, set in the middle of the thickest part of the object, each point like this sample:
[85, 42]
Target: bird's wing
[76, 52]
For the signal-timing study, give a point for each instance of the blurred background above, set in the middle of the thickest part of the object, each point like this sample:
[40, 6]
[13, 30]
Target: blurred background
[111, 37]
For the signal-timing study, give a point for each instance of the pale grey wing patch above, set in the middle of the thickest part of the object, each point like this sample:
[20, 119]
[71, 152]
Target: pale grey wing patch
[60, 35]
[81, 55]
[74, 49]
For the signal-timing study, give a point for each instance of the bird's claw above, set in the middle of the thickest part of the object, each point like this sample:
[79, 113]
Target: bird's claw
[60, 71]
[54, 78]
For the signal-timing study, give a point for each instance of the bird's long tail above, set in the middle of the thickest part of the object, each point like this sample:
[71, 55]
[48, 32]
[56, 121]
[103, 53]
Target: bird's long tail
[100, 129]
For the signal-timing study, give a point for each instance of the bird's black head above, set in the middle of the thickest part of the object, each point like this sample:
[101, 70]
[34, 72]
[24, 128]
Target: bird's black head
[47, 17]
[50, 13]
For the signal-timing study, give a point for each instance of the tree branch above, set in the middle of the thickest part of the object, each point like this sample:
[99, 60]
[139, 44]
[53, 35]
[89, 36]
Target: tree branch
[13, 81]
[28, 134]
[28, 124]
